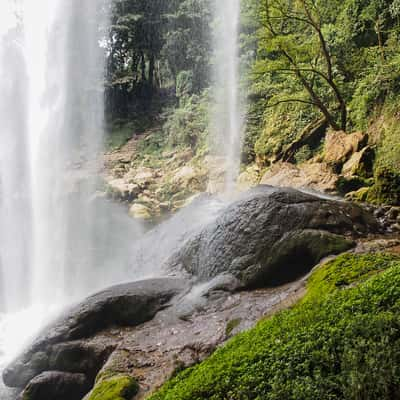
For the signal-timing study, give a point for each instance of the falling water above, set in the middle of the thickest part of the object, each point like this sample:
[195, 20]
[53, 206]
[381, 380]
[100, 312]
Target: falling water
[227, 116]
[51, 69]
[51, 110]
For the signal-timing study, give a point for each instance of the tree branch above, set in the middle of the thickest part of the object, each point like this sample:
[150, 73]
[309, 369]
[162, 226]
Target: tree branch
[291, 101]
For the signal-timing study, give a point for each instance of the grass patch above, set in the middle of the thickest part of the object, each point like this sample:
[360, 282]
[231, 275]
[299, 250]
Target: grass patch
[335, 344]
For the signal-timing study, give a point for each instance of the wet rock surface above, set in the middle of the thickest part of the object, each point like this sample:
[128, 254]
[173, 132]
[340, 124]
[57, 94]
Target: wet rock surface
[268, 237]
[154, 351]
[272, 235]
[57, 385]
[123, 305]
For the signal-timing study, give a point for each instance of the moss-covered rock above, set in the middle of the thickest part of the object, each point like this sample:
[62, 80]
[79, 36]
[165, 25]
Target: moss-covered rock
[117, 387]
[359, 196]
[282, 126]
[386, 134]
[386, 189]
[341, 342]
[351, 184]
[346, 270]
[360, 163]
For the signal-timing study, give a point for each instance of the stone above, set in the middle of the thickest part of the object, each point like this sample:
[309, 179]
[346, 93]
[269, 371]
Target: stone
[339, 146]
[271, 235]
[55, 385]
[119, 189]
[395, 227]
[248, 178]
[360, 163]
[184, 175]
[143, 177]
[180, 157]
[78, 356]
[139, 211]
[315, 176]
[123, 305]
[379, 212]
[393, 213]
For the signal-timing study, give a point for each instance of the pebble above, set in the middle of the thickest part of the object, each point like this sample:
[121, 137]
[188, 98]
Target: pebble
[396, 227]
[379, 212]
[393, 213]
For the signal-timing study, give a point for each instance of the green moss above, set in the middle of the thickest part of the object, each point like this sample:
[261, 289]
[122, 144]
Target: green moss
[281, 127]
[336, 344]
[231, 325]
[359, 196]
[386, 189]
[117, 387]
[346, 270]
[346, 185]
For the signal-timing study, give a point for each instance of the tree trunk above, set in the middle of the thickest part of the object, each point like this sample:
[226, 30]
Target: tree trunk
[143, 66]
[151, 71]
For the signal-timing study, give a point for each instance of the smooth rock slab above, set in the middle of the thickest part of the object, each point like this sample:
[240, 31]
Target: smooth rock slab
[123, 305]
[55, 385]
[272, 236]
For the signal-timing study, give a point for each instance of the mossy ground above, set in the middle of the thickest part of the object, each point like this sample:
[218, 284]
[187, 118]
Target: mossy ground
[117, 387]
[341, 342]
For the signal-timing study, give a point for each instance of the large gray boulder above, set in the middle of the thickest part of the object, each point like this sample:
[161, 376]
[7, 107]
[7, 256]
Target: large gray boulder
[271, 236]
[267, 237]
[58, 346]
[55, 385]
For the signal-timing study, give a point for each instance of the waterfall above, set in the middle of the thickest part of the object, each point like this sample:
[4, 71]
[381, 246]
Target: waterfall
[51, 69]
[227, 114]
[54, 230]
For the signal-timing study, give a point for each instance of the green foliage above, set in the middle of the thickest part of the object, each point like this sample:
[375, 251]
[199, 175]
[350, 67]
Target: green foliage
[150, 148]
[151, 43]
[387, 166]
[379, 80]
[187, 44]
[187, 125]
[119, 135]
[283, 125]
[184, 84]
[303, 154]
[117, 387]
[337, 344]
[361, 64]
[120, 131]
